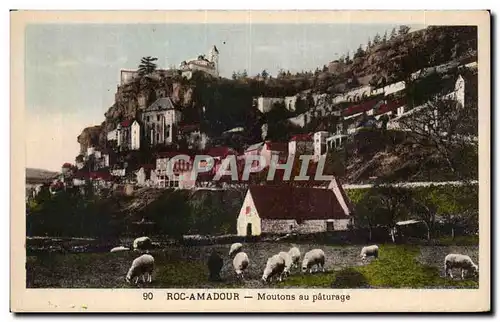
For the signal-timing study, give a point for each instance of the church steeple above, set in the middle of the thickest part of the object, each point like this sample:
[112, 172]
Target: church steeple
[214, 58]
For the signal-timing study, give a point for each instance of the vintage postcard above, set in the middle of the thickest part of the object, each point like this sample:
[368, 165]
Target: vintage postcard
[250, 161]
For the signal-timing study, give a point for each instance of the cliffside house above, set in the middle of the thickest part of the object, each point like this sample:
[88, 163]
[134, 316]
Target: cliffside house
[337, 140]
[180, 170]
[301, 144]
[195, 139]
[319, 144]
[458, 94]
[267, 150]
[266, 104]
[160, 119]
[146, 175]
[286, 209]
[129, 135]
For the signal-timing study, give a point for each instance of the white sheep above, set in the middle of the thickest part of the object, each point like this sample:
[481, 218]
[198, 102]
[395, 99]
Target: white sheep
[369, 251]
[288, 263]
[274, 267]
[119, 249]
[313, 257]
[141, 266]
[235, 248]
[142, 243]
[294, 252]
[460, 261]
[240, 263]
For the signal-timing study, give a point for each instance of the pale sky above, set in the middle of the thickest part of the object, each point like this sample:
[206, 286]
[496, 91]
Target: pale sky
[72, 70]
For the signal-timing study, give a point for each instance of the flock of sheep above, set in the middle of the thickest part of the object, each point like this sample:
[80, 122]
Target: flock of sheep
[278, 266]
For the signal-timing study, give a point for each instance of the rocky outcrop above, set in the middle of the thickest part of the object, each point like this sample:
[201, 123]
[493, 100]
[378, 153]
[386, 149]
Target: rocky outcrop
[89, 137]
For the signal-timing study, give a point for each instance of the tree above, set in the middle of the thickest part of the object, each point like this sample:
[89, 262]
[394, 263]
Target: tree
[366, 216]
[264, 74]
[384, 39]
[403, 30]
[376, 39]
[234, 76]
[393, 202]
[446, 131]
[147, 65]
[423, 207]
[359, 52]
[393, 34]
[244, 74]
[347, 59]
[369, 44]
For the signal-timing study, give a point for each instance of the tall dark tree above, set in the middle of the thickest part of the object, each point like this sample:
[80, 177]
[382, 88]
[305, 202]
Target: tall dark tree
[393, 34]
[359, 53]
[376, 39]
[384, 39]
[147, 65]
[264, 74]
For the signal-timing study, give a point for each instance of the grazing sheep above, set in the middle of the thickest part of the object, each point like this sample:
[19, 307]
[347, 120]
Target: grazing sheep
[462, 262]
[215, 263]
[119, 249]
[369, 251]
[141, 266]
[274, 267]
[235, 248]
[295, 254]
[288, 263]
[240, 264]
[142, 243]
[313, 257]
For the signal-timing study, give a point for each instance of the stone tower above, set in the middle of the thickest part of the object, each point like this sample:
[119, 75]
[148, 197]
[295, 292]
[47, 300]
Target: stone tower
[213, 56]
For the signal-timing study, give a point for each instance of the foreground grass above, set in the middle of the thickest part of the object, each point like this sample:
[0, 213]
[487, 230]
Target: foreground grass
[397, 267]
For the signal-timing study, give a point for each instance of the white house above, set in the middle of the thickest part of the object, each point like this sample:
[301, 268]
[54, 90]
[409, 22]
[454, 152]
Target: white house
[319, 143]
[290, 102]
[266, 104]
[301, 143]
[159, 120]
[112, 135]
[287, 209]
[129, 135]
[146, 175]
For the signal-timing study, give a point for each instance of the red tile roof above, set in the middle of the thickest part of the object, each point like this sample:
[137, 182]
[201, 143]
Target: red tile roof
[127, 123]
[67, 165]
[101, 175]
[81, 175]
[220, 151]
[288, 202]
[169, 154]
[302, 137]
[360, 108]
[277, 146]
[390, 106]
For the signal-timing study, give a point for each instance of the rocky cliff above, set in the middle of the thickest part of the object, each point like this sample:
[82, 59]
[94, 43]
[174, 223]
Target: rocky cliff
[228, 102]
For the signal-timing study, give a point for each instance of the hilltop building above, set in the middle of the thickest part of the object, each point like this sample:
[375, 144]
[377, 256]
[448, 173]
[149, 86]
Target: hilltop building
[201, 63]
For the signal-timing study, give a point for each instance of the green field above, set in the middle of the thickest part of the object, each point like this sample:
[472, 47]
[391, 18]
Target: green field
[399, 266]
